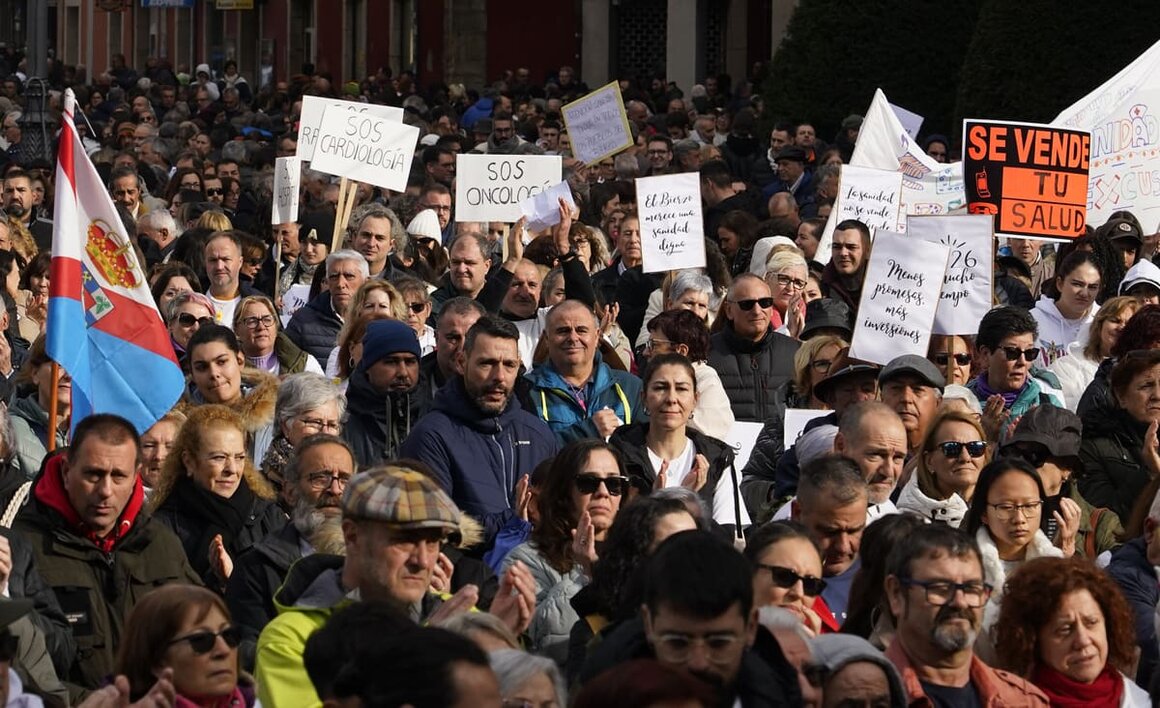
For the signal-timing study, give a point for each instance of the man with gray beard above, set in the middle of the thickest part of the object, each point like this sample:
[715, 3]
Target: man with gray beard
[314, 478]
[935, 586]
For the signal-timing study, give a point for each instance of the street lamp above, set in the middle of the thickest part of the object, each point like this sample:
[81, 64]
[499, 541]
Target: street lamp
[37, 125]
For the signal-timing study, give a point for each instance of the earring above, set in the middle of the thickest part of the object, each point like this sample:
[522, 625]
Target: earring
[691, 416]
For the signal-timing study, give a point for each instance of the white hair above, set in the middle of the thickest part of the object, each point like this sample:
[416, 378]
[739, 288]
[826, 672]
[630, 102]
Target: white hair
[514, 668]
[348, 254]
[160, 219]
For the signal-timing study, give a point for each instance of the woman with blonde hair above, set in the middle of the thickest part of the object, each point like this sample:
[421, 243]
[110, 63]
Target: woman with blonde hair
[953, 453]
[377, 297]
[211, 495]
[787, 275]
[214, 221]
[1077, 368]
[266, 346]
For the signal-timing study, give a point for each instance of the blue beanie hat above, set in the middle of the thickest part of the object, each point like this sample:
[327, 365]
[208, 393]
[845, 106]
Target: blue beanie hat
[386, 337]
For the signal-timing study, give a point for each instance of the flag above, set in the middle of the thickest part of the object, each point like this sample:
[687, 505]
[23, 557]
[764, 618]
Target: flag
[103, 326]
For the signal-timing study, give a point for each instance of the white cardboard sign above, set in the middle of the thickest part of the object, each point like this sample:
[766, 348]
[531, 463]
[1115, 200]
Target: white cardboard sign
[672, 231]
[966, 290]
[365, 148]
[314, 106]
[597, 124]
[287, 177]
[796, 420]
[492, 187]
[543, 209]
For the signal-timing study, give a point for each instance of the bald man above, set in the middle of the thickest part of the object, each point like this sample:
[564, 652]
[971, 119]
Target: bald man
[872, 436]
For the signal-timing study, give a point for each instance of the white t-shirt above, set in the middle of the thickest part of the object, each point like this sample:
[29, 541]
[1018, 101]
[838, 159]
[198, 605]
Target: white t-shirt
[724, 495]
[224, 310]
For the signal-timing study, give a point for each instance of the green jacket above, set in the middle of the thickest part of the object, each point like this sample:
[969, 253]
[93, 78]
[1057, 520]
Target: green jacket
[97, 590]
[291, 358]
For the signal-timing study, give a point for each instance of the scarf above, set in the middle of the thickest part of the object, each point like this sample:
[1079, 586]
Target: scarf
[1107, 690]
[50, 491]
[211, 515]
[236, 699]
[985, 391]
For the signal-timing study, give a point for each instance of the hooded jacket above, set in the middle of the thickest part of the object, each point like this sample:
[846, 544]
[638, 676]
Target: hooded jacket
[950, 511]
[30, 427]
[478, 458]
[751, 372]
[255, 406]
[1075, 373]
[96, 588]
[1057, 332]
[552, 401]
[378, 423]
[1114, 474]
[315, 327]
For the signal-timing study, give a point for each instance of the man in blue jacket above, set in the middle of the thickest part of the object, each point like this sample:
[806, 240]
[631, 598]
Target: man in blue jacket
[478, 441]
[575, 392]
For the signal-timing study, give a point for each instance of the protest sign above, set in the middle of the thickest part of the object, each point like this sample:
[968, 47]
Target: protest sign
[293, 300]
[870, 196]
[365, 148]
[597, 125]
[742, 437]
[1122, 118]
[672, 234]
[911, 121]
[966, 289]
[543, 209]
[314, 106]
[796, 420]
[899, 298]
[491, 187]
[287, 177]
[1033, 179]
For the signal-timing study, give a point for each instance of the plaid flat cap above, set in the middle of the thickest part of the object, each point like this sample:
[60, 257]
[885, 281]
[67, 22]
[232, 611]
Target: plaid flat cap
[400, 497]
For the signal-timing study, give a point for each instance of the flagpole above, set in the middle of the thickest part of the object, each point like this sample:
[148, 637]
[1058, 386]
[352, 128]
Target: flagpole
[52, 403]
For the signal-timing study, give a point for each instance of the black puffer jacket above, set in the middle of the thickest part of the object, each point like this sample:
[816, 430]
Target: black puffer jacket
[378, 423]
[751, 372]
[315, 328]
[1114, 474]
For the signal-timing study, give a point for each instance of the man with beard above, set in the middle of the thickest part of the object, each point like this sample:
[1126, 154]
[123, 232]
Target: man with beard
[478, 440]
[698, 616]
[18, 205]
[383, 396]
[934, 583]
[849, 254]
[314, 478]
[872, 436]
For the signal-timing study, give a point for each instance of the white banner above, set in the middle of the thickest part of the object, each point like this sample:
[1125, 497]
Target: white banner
[491, 187]
[672, 231]
[597, 125]
[311, 119]
[870, 196]
[365, 148]
[899, 298]
[287, 177]
[966, 290]
[1122, 116]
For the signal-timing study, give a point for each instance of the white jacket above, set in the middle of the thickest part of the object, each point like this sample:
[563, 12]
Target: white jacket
[1075, 372]
[995, 576]
[1134, 696]
[713, 415]
[950, 511]
[1055, 332]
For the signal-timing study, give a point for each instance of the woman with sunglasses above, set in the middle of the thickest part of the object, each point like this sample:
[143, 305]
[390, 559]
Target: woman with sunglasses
[1119, 450]
[954, 451]
[266, 346]
[1077, 369]
[951, 353]
[1005, 518]
[211, 496]
[578, 502]
[1070, 308]
[787, 573]
[186, 629]
[417, 301]
[665, 451]
[187, 312]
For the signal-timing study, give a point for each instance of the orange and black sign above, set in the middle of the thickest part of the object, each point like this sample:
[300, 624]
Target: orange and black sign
[1032, 178]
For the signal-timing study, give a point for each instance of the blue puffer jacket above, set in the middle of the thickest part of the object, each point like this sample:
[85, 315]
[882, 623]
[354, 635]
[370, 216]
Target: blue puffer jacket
[551, 399]
[1131, 570]
[315, 328]
[478, 458]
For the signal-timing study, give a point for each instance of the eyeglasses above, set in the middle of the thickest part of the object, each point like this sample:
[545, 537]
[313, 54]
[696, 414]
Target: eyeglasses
[437, 207]
[788, 280]
[203, 642]
[676, 647]
[589, 483]
[651, 344]
[325, 426]
[960, 359]
[211, 192]
[821, 365]
[323, 480]
[1013, 353]
[253, 261]
[255, 322]
[941, 592]
[764, 302]
[187, 320]
[657, 153]
[952, 449]
[1006, 510]
[416, 307]
[785, 578]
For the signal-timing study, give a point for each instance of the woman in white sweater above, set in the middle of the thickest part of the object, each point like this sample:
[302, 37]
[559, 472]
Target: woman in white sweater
[1064, 317]
[1077, 369]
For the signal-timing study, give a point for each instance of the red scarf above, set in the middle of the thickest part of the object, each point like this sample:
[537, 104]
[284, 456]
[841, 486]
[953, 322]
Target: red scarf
[1106, 690]
[49, 490]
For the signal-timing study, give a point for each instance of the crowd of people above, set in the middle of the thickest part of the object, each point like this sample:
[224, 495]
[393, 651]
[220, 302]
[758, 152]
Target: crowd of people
[486, 466]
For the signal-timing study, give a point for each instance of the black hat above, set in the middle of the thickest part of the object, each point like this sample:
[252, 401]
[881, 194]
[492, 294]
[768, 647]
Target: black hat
[913, 365]
[827, 313]
[1118, 229]
[321, 223]
[791, 152]
[843, 368]
[1057, 429]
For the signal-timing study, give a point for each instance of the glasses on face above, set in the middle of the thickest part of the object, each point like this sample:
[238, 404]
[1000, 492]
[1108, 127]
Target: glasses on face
[254, 262]
[941, 592]
[785, 578]
[187, 320]
[322, 426]
[651, 344]
[1006, 510]
[437, 207]
[786, 281]
[213, 191]
[821, 365]
[1013, 353]
[416, 307]
[677, 647]
[258, 322]
[960, 359]
[322, 480]
[763, 302]
[589, 483]
[952, 449]
[203, 642]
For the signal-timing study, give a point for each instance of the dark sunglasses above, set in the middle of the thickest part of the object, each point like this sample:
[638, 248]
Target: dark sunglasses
[589, 483]
[187, 320]
[764, 302]
[785, 578]
[203, 642]
[416, 307]
[952, 449]
[960, 359]
[1013, 353]
[211, 192]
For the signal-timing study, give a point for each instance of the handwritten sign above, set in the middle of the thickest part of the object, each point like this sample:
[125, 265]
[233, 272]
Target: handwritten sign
[1033, 179]
[543, 209]
[966, 289]
[293, 300]
[796, 420]
[313, 108]
[870, 196]
[287, 176]
[491, 187]
[597, 124]
[365, 148]
[672, 233]
[899, 297]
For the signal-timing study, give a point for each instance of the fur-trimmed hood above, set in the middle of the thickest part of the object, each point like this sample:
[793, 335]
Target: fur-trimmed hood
[950, 511]
[256, 405]
[996, 576]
